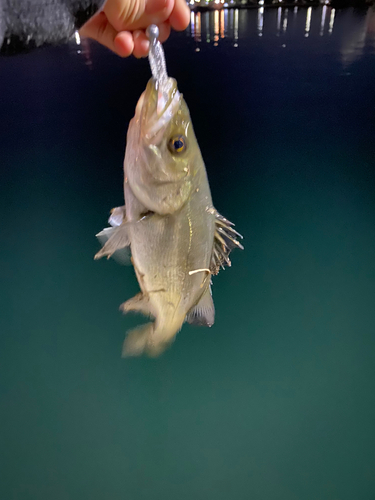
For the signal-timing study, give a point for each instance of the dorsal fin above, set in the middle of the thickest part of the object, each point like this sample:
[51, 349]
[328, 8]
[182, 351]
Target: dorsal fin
[203, 314]
[225, 241]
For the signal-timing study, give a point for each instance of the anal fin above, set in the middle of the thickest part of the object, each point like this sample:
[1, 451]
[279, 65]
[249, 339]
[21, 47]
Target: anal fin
[203, 313]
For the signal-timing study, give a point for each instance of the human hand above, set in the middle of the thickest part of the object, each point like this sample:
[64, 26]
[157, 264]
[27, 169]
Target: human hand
[121, 24]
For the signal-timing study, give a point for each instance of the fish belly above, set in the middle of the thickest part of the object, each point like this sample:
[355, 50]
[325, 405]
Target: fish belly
[171, 256]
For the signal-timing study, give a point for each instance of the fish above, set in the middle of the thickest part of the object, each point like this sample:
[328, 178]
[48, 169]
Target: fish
[177, 239]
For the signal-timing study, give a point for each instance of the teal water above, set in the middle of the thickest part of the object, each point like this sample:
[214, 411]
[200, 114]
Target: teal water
[275, 401]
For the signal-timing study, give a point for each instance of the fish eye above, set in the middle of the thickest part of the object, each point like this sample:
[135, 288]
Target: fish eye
[177, 144]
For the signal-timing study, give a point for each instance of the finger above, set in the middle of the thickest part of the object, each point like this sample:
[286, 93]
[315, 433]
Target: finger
[180, 16]
[98, 28]
[124, 44]
[155, 6]
[137, 14]
[141, 41]
[157, 12]
[141, 44]
[164, 31]
[121, 13]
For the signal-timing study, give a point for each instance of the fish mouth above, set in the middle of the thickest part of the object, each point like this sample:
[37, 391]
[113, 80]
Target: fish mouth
[157, 106]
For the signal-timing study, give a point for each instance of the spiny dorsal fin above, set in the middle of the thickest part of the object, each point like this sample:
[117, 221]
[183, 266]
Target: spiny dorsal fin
[203, 314]
[225, 241]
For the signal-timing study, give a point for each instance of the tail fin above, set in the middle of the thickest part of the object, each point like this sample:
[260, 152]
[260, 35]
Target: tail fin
[136, 340]
[149, 339]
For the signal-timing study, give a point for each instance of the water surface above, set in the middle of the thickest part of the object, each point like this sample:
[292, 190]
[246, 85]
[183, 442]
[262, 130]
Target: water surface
[276, 401]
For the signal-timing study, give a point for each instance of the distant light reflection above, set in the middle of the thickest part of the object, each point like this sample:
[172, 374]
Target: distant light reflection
[331, 21]
[235, 28]
[222, 24]
[192, 24]
[308, 21]
[260, 21]
[217, 27]
[279, 11]
[207, 27]
[354, 44]
[322, 23]
[198, 27]
[285, 21]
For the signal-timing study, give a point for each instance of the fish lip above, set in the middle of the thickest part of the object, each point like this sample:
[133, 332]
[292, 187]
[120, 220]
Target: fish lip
[151, 92]
[149, 103]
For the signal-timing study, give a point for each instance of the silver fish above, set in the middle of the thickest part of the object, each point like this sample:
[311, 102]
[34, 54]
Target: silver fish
[177, 238]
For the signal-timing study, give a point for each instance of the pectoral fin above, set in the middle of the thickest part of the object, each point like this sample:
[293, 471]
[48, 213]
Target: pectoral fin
[116, 243]
[226, 239]
[203, 314]
[118, 216]
[116, 239]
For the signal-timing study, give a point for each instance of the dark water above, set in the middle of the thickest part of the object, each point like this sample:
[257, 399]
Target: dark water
[277, 400]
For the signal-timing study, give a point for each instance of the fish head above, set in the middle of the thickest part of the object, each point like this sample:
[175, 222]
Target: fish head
[163, 155]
